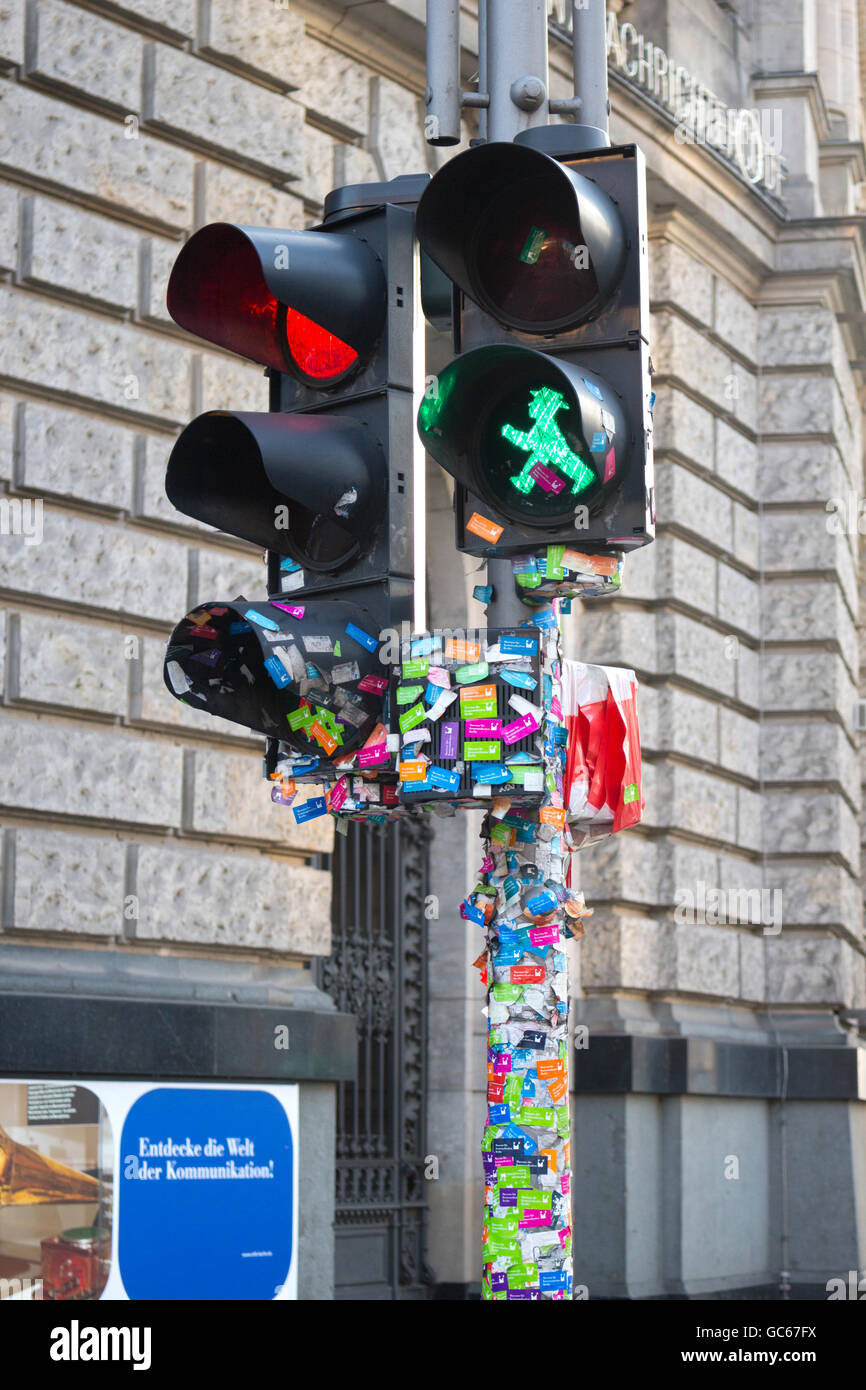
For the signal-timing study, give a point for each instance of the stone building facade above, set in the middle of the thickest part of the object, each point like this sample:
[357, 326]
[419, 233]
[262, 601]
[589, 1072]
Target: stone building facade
[720, 1145]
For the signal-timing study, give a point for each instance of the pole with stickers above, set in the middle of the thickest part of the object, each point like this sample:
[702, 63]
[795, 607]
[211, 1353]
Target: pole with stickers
[544, 421]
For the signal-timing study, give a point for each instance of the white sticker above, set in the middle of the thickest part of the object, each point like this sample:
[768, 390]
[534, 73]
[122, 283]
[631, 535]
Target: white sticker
[289, 582]
[346, 671]
[317, 644]
[533, 782]
[180, 681]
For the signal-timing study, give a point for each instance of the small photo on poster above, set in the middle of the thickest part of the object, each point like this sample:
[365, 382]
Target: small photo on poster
[56, 1185]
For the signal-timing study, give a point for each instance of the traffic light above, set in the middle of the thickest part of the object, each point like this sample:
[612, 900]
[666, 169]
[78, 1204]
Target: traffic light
[323, 481]
[544, 418]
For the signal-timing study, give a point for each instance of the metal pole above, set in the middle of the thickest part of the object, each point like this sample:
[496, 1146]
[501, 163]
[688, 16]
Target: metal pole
[443, 72]
[516, 66]
[589, 27]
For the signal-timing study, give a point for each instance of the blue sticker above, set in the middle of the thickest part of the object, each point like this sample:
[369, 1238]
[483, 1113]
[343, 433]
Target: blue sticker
[289, 566]
[521, 679]
[513, 1131]
[544, 620]
[432, 693]
[511, 887]
[526, 835]
[421, 784]
[499, 1114]
[550, 1280]
[493, 774]
[483, 593]
[471, 912]
[442, 778]
[316, 806]
[560, 735]
[560, 960]
[511, 645]
[599, 442]
[261, 620]
[521, 1058]
[211, 1170]
[363, 638]
[235, 628]
[541, 903]
[507, 955]
[425, 646]
[527, 1090]
[305, 765]
[277, 672]
[595, 391]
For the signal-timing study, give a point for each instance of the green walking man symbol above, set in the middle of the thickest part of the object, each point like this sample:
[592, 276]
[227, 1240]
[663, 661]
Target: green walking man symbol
[546, 444]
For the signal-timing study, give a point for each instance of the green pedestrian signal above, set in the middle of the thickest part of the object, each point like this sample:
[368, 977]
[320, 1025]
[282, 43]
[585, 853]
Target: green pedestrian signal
[547, 447]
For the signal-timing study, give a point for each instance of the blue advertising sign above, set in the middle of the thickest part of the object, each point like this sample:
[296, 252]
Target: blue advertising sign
[205, 1181]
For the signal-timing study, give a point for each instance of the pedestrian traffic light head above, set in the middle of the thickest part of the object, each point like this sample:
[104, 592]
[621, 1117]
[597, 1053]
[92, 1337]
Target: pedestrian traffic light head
[533, 242]
[310, 304]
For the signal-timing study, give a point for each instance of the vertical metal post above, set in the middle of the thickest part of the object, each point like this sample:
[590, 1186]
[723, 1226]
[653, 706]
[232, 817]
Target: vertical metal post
[443, 72]
[589, 28]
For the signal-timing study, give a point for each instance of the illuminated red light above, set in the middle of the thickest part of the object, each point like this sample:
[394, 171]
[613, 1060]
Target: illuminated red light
[317, 353]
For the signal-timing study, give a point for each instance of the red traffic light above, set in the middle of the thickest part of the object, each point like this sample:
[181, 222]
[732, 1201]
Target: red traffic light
[309, 303]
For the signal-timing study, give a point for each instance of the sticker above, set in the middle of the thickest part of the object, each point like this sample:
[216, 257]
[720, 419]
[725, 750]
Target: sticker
[408, 694]
[512, 645]
[444, 779]
[371, 756]
[599, 442]
[475, 672]
[552, 815]
[554, 562]
[541, 903]
[545, 936]
[261, 620]
[482, 752]
[294, 610]
[376, 684]
[521, 679]
[533, 245]
[521, 728]
[417, 667]
[610, 466]
[482, 526]
[629, 793]
[494, 775]
[593, 389]
[477, 709]
[337, 795]
[438, 676]
[456, 650]
[445, 700]
[346, 671]
[363, 638]
[290, 582]
[408, 720]
[482, 728]
[277, 672]
[301, 718]
[527, 975]
[414, 771]
[310, 809]
[323, 737]
[449, 740]
[547, 479]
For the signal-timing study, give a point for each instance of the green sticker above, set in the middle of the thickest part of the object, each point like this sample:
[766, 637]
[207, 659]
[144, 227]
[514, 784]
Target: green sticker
[501, 834]
[502, 1225]
[419, 667]
[515, 1176]
[533, 245]
[467, 675]
[534, 1200]
[554, 562]
[562, 1121]
[301, 718]
[512, 1090]
[407, 693]
[507, 994]
[630, 794]
[478, 709]
[521, 1281]
[528, 581]
[416, 715]
[486, 751]
[541, 1116]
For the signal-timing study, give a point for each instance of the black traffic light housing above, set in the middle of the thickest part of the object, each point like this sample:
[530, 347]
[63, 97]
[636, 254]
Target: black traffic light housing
[549, 259]
[323, 481]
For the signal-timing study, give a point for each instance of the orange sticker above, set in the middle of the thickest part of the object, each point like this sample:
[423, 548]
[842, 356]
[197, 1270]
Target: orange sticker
[477, 692]
[413, 771]
[590, 564]
[558, 1089]
[549, 1068]
[199, 619]
[321, 735]
[551, 1159]
[485, 528]
[550, 815]
[462, 651]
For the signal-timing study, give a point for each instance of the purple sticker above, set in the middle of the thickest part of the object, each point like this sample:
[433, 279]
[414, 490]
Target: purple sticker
[498, 1282]
[547, 479]
[293, 609]
[449, 740]
[508, 1196]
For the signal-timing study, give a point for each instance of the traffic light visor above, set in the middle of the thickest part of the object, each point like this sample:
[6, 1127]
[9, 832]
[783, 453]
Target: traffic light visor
[536, 244]
[533, 436]
[288, 671]
[309, 486]
[309, 303]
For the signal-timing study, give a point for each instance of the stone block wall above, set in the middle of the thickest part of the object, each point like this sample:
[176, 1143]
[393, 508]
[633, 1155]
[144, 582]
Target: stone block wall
[129, 818]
